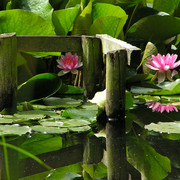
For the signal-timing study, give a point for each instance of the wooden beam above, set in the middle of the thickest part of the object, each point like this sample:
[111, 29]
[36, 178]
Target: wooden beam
[49, 43]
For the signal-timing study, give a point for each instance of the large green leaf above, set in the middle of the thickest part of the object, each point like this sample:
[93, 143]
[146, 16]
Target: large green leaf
[41, 7]
[165, 127]
[57, 102]
[169, 88]
[108, 25]
[49, 130]
[103, 9]
[83, 21]
[24, 23]
[155, 28]
[12, 130]
[64, 18]
[108, 19]
[38, 87]
[146, 160]
[166, 5]
[88, 112]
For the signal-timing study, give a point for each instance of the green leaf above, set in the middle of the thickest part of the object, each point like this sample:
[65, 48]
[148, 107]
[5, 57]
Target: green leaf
[38, 87]
[146, 160]
[103, 9]
[168, 88]
[108, 19]
[83, 21]
[12, 130]
[24, 23]
[165, 127]
[42, 7]
[69, 89]
[50, 130]
[57, 102]
[34, 115]
[108, 25]
[166, 5]
[154, 28]
[89, 115]
[63, 19]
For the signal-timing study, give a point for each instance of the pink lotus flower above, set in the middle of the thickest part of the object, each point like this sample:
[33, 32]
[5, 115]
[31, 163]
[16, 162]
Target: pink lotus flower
[69, 63]
[159, 107]
[162, 64]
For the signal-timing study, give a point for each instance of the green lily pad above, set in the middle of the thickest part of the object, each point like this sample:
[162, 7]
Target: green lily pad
[35, 115]
[57, 102]
[50, 130]
[165, 127]
[14, 130]
[80, 129]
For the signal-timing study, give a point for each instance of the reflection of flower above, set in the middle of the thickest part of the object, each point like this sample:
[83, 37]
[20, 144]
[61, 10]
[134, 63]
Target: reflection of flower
[69, 63]
[162, 64]
[157, 106]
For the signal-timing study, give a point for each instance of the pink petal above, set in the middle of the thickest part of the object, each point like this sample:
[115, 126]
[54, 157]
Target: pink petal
[152, 67]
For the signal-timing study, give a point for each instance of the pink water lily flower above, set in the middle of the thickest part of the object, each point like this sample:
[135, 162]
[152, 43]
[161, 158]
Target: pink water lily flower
[162, 64]
[159, 107]
[69, 63]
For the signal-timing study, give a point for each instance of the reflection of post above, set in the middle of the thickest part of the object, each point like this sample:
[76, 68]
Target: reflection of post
[92, 63]
[115, 111]
[8, 72]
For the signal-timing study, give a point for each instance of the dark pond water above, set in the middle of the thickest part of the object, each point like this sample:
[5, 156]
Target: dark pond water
[83, 156]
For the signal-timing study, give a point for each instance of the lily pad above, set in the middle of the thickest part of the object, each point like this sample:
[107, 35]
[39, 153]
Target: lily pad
[57, 102]
[50, 130]
[165, 127]
[35, 115]
[14, 130]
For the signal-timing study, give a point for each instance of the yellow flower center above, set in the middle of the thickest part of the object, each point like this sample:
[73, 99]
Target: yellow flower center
[68, 61]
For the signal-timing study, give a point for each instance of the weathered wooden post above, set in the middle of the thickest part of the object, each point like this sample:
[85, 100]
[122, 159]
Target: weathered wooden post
[92, 64]
[115, 111]
[8, 72]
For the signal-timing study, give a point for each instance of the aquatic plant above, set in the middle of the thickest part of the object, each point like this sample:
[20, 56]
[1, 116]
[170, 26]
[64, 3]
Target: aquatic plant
[159, 107]
[162, 64]
[69, 63]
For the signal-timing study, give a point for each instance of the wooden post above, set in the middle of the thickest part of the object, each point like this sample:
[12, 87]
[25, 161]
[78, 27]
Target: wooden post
[92, 64]
[8, 72]
[115, 111]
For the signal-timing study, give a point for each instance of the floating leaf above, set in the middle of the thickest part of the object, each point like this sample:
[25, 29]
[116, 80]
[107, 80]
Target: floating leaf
[165, 127]
[38, 87]
[84, 114]
[24, 23]
[57, 102]
[11, 130]
[35, 115]
[49, 130]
